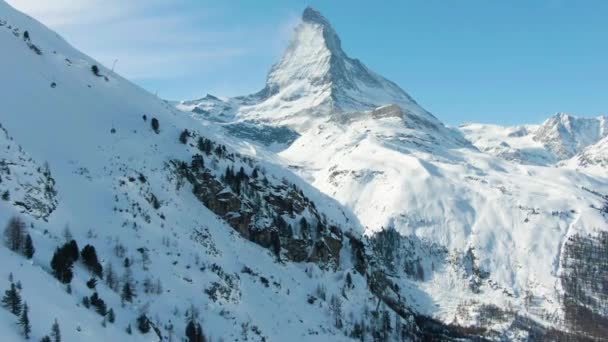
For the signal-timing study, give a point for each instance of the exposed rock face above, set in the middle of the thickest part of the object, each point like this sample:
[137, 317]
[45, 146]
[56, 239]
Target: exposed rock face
[390, 111]
[259, 210]
[585, 282]
[23, 182]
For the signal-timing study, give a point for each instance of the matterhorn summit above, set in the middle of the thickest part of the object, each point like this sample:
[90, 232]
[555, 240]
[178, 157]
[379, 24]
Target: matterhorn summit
[315, 78]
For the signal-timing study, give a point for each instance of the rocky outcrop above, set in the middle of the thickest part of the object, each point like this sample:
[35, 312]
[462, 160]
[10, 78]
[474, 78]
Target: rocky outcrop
[274, 215]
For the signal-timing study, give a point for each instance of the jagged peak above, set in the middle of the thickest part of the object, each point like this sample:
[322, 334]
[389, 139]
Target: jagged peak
[332, 41]
[312, 15]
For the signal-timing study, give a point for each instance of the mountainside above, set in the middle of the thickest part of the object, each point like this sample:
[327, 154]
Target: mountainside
[141, 229]
[327, 207]
[469, 223]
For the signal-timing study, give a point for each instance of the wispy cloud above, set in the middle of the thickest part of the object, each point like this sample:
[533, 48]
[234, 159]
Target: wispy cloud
[157, 39]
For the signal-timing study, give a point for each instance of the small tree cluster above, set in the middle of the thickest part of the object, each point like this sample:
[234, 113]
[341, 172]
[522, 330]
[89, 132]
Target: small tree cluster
[205, 145]
[90, 260]
[235, 181]
[63, 261]
[17, 239]
[151, 286]
[128, 290]
[198, 163]
[12, 300]
[99, 304]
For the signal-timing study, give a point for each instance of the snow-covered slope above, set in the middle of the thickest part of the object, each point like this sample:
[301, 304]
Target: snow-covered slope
[399, 208]
[259, 253]
[483, 228]
[593, 158]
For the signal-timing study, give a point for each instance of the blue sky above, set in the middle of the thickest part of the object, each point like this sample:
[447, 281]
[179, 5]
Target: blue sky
[503, 62]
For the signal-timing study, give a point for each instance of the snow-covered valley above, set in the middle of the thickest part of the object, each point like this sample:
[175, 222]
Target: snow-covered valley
[327, 206]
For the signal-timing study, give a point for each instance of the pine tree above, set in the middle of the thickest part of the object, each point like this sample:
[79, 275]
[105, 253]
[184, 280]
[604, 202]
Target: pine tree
[45, 338]
[24, 321]
[127, 292]
[191, 333]
[72, 250]
[183, 137]
[155, 125]
[110, 277]
[28, 247]
[129, 330]
[111, 316]
[14, 234]
[12, 300]
[194, 332]
[95, 70]
[143, 323]
[55, 332]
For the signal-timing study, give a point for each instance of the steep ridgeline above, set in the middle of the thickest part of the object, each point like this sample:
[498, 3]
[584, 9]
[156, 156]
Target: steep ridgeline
[121, 224]
[478, 234]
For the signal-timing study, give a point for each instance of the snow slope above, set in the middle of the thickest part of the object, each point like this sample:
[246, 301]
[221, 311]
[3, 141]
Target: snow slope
[495, 213]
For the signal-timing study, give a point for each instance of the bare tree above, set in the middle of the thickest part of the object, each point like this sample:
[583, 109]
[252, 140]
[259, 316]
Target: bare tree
[14, 234]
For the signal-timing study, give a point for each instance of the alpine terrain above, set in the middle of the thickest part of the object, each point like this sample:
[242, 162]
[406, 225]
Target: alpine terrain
[328, 206]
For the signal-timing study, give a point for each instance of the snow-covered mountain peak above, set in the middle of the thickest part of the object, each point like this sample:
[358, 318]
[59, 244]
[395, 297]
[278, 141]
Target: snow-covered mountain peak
[566, 135]
[316, 69]
[314, 79]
